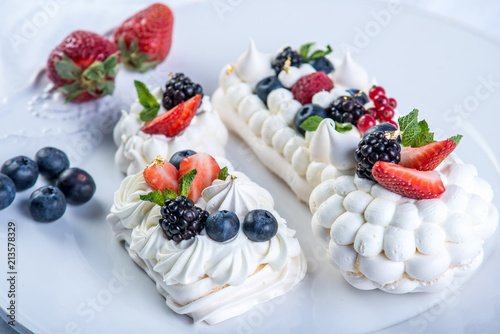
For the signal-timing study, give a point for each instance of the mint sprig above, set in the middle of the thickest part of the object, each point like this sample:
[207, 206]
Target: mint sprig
[186, 181]
[417, 133]
[305, 50]
[223, 174]
[148, 101]
[312, 123]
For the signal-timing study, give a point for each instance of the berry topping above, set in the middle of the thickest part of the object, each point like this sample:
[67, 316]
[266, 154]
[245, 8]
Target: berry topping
[380, 101]
[408, 182]
[372, 112]
[207, 171]
[180, 89]
[322, 64]
[222, 225]
[305, 88]
[372, 148]
[47, 204]
[178, 156]
[7, 191]
[51, 162]
[385, 113]
[83, 67]
[358, 95]
[175, 120]
[181, 219]
[144, 39]
[365, 122]
[381, 127]
[266, 86]
[375, 91]
[22, 171]
[392, 103]
[161, 175]
[345, 109]
[305, 112]
[77, 185]
[427, 157]
[260, 225]
[295, 59]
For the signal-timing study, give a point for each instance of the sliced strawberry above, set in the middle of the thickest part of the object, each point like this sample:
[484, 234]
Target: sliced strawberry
[162, 174]
[408, 182]
[175, 120]
[305, 88]
[207, 171]
[427, 157]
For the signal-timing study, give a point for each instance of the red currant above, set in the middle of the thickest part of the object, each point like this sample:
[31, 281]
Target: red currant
[385, 113]
[380, 100]
[392, 103]
[372, 112]
[376, 90]
[393, 123]
[365, 122]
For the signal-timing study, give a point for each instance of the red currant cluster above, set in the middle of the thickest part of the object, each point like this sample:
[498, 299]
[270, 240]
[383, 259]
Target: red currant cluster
[382, 112]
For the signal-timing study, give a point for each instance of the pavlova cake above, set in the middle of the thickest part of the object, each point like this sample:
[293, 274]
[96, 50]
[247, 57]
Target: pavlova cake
[266, 98]
[208, 236]
[410, 216]
[167, 120]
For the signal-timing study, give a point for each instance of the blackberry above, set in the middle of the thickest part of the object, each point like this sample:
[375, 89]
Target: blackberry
[181, 219]
[345, 109]
[179, 89]
[295, 59]
[375, 147]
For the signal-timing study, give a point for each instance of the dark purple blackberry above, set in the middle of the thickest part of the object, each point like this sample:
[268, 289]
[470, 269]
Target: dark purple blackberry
[372, 148]
[295, 59]
[345, 109]
[180, 89]
[181, 219]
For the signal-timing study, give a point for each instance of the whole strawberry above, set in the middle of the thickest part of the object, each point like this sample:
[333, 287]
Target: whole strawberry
[83, 67]
[305, 88]
[144, 39]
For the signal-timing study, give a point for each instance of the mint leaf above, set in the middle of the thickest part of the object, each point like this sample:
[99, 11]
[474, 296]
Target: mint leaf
[156, 197]
[223, 174]
[320, 53]
[304, 50]
[343, 127]
[148, 101]
[168, 194]
[410, 133]
[405, 120]
[456, 139]
[422, 139]
[311, 123]
[185, 182]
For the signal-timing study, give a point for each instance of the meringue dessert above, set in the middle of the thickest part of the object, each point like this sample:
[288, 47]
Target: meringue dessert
[200, 129]
[264, 98]
[215, 259]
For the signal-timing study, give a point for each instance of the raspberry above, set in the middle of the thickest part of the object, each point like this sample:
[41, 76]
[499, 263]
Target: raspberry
[305, 88]
[180, 89]
[181, 219]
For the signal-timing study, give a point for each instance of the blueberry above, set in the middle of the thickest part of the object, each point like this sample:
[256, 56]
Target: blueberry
[222, 225]
[178, 156]
[322, 64]
[47, 204]
[260, 225]
[77, 185]
[7, 191]
[51, 162]
[22, 170]
[358, 95]
[305, 112]
[266, 86]
[382, 127]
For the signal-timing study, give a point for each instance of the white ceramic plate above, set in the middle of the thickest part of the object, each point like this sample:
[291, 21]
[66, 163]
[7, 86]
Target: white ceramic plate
[73, 277]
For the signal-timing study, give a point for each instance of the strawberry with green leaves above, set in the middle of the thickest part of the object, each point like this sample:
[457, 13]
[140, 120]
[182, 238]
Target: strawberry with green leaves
[170, 123]
[83, 67]
[144, 39]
